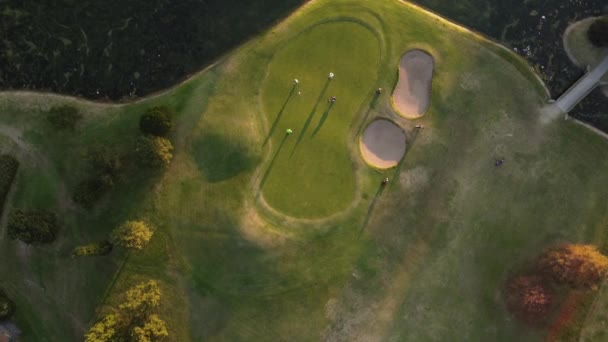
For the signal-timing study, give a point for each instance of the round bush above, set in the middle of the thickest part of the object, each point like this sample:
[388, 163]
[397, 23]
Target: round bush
[156, 121]
[154, 151]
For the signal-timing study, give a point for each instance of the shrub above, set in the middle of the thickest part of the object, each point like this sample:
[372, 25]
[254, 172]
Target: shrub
[7, 306]
[528, 298]
[154, 151]
[105, 161]
[598, 32]
[8, 171]
[93, 249]
[64, 117]
[156, 121]
[132, 234]
[34, 226]
[89, 191]
[576, 265]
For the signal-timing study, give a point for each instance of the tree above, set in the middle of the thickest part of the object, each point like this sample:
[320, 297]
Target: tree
[34, 226]
[64, 117]
[598, 32]
[105, 161]
[135, 320]
[132, 234]
[106, 330]
[154, 329]
[7, 306]
[154, 151]
[576, 265]
[141, 298]
[156, 121]
[91, 190]
[529, 298]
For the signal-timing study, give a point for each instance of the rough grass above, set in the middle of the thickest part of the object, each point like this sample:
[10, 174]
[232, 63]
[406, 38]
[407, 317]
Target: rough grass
[423, 259]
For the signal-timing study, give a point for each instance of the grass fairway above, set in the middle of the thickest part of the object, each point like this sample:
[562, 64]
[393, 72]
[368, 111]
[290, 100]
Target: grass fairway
[311, 172]
[424, 258]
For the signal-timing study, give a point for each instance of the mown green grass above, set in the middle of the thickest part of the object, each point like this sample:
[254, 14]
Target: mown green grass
[311, 172]
[424, 259]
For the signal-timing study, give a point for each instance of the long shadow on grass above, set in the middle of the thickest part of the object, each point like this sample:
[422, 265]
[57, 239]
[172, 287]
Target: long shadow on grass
[271, 164]
[370, 210]
[279, 115]
[323, 118]
[396, 172]
[310, 116]
[219, 158]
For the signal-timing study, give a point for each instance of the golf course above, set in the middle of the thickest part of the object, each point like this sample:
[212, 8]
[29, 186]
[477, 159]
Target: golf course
[333, 231]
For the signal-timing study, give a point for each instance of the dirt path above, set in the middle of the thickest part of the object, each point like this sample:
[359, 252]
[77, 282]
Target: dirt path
[412, 95]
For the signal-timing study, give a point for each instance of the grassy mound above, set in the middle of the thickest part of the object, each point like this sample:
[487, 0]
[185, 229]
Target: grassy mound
[310, 173]
[423, 258]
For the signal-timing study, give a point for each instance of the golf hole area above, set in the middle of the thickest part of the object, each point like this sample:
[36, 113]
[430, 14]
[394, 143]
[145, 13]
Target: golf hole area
[382, 144]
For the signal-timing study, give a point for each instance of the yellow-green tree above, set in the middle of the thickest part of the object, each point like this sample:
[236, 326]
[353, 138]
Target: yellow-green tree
[107, 329]
[132, 234]
[141, 298]
[154, 329]
[575, 264]
[154, 151]
[135, 320]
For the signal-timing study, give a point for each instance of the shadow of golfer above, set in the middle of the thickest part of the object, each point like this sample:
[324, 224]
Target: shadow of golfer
[383, 187]
[271, 164]
[371, 106]
[323, 118]
[310, 116]
[279, 114]
[408, 148]
[370, 210]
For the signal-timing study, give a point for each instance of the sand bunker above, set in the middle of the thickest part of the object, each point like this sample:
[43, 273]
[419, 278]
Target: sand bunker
[412, 95]
[382, 144]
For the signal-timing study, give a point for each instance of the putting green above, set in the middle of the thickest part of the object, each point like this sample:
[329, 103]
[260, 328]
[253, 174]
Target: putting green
[310, 173]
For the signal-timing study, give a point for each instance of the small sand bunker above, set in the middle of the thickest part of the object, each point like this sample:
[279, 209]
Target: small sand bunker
[383, 144]
[412, 95]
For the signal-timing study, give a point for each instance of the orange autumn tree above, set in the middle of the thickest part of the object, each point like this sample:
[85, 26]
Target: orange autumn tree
[575, 264]
[529, 298]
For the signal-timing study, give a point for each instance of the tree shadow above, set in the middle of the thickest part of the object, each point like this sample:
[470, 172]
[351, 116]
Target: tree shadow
[219, 158]
[370, 210]
[271, 164]
[323, 118]
[279, 115]
[310, 116]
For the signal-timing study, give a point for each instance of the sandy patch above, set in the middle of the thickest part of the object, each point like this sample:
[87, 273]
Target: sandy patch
[412, 95]
[382, 144]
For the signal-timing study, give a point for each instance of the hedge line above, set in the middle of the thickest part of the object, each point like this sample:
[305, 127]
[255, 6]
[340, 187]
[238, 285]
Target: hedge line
[8, 171]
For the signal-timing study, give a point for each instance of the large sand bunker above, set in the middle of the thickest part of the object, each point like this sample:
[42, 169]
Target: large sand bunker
[382, 144]
[412, 95]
